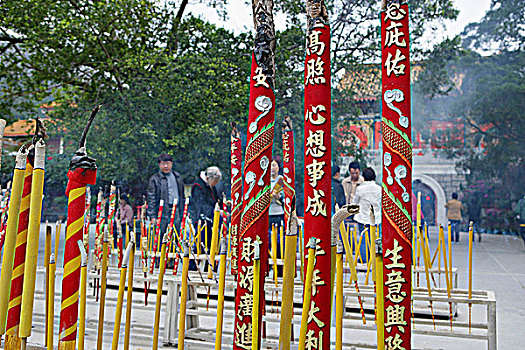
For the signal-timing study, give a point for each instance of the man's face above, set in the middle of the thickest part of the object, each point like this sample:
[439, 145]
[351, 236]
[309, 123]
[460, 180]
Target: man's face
[165, 166]
[214, 181]
[275, 168]
[354, 174]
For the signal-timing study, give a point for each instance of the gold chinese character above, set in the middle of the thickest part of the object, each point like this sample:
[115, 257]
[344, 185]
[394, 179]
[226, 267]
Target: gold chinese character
[315, 72]
[394, 12]
[314, 45]
[315, 204]
[260, 78]
[394, 36]
[394, 343]
[245, 306]
[243, 336]
[393, 65]
[316, 280]
[311, 315]
[286, 157]
[248, 246]
[395, 317]
[311, 341]
[315, 172]
[395, 256]
[314, 116]
[315, 143]
[246, 278]
[394, 283]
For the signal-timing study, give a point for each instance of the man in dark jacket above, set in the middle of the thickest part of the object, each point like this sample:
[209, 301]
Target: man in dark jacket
[167, 185]
[338, 192]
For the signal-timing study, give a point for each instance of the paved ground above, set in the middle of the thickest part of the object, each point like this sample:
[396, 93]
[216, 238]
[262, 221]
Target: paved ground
[498, 266]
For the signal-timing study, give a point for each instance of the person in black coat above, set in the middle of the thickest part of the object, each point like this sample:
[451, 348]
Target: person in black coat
[204, 196]
[338, 192]
[167, 185]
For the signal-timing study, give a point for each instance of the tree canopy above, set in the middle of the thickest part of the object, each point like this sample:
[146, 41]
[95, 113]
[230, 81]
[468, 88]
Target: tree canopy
[169, 82]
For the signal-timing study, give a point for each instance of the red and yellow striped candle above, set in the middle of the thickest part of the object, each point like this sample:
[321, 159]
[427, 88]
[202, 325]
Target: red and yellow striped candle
[17, 282]
[76, 192]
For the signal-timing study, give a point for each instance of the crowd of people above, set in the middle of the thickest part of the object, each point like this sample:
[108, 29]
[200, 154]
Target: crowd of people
[359, 188]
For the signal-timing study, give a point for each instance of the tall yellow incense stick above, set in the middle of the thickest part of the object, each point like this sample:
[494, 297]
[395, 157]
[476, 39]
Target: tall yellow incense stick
[120, 298]
[214, 239]
[162, 271]
[10, 235]
[307, 292]
[220, 296]
[129, 297]
[47, 254]
[274, 253]
[51, 302]
[290, 258]
[449, 232]
[470, 240]
[82, 304]
[33, 232]
[184, 295]
[256, 296]
[103, 284]
[379, 296]
[442, 236]
[339, 305]
[426, 260]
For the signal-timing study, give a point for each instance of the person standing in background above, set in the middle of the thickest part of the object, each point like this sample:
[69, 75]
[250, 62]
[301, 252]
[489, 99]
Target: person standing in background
[350, 183]
[167, 185]
[454, 208]
[338, 193]
[367, 195]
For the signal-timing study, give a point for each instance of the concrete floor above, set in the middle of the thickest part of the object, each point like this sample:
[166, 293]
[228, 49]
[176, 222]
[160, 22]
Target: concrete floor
[498, 266]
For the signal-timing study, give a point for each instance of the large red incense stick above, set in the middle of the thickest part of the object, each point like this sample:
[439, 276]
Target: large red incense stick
[397, 174]
[288, 168]
[82, 172]
[236, 191]
[256, 192]
[317, 173]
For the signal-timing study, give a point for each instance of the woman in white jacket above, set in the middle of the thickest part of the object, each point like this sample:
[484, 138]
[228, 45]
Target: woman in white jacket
[367, 195]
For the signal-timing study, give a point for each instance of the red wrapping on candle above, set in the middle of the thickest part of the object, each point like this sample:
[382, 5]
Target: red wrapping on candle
[317, 172]
[397, 175]
[17, 280]
[236, 193]
[76, 192]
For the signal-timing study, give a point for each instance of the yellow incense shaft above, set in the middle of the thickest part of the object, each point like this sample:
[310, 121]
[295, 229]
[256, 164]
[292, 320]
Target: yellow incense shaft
[373, 250]
[288, 281]
[10, 235]
[33, 232]
[184, 295]
[449, 232]
[220, 296]
[274, 253]
[256, 296]
[380, 302]
[51, 302]
[82, 304]
[418, 210]
[339, 311]
[426, 261]
[162, 270]
[349, 257]
[129, 297]
[470, 240]
[444, 251]
[307, 292]
[120, 298]
[47, 254]
[214, 239]
[103, 284]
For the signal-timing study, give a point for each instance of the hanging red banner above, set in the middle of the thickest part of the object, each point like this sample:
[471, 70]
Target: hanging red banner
[318, 169]
[397, 175]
